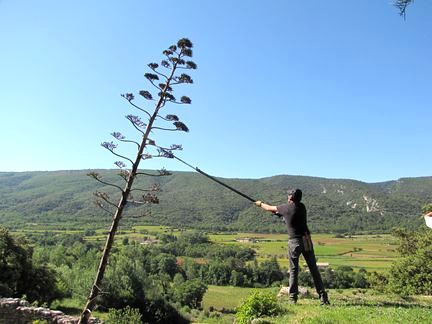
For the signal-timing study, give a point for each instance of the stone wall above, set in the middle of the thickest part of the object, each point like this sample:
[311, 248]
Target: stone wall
[17, 311]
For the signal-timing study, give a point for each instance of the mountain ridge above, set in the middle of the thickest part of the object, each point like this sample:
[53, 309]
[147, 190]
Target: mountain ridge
[189, 199]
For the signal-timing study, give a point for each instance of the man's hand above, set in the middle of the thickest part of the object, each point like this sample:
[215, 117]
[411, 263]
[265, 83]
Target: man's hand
[265, 206]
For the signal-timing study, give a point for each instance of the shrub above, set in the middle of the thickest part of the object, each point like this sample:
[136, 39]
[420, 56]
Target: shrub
[256, 305]
[411, 273]
[125, 315]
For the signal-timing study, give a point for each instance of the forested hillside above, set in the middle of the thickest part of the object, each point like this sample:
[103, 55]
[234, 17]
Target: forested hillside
[188, 199]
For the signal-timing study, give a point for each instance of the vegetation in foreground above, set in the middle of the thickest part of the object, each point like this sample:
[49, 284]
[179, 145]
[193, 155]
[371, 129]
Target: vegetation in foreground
[347, 306]
[360, 306]
[187, 277]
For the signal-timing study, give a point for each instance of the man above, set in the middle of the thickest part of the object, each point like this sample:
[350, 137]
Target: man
[299, 242]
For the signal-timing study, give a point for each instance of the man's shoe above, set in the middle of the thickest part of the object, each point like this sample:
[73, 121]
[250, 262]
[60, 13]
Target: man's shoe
[324, 299]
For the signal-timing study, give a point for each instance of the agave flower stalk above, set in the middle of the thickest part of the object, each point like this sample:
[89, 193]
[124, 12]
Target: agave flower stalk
[163, 81]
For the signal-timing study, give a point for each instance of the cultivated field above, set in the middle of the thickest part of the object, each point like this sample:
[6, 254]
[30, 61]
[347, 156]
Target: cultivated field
[372, 252]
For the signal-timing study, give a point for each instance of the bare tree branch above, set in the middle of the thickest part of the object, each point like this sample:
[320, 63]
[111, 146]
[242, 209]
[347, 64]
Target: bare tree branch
[169, 118]
[105, 197]
[101, 206]
[155, 187]
[179, 127]
[124, 174]
[152, 78]
[137, 107]
[110, 147]
[96, 177]
[154, 67]
[121, 138]
[145, 214]
[154, 175]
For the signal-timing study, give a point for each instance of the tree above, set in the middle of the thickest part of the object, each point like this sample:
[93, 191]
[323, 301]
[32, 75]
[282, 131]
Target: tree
[237, 278]
[360, 279]
[412, 274]
[218, 273]
[190, 293]
[269, 271]
[19, 276]
[165, 263]
[162, 78]
[194, 238]
[133, 279]
[14, 260]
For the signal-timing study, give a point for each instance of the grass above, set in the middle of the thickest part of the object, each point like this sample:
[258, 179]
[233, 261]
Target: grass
[360, 306]
[74, 307]
[226, 297]
[68, 306]
[347, 306]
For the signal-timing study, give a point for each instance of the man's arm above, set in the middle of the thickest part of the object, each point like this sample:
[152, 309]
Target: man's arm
[266, 207]
[428, 214]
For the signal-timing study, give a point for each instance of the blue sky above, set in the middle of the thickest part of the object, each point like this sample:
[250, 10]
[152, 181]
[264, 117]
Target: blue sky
[335, 89]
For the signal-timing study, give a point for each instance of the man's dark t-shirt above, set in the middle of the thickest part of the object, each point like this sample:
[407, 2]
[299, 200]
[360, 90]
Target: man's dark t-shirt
[295, 218]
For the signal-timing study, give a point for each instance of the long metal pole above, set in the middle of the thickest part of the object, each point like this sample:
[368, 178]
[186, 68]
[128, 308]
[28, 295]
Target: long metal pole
[212, 178]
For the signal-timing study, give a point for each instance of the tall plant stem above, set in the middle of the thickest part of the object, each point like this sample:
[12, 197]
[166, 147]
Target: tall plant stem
[96, 288]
